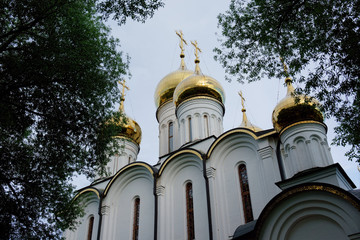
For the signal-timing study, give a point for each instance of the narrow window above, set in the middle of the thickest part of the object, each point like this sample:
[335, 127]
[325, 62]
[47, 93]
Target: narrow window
[136, 219]
[245, 193]
[129, 160]
[190, 130]
[90, 229]
[171, 136]
[190, 212]
[206, 124]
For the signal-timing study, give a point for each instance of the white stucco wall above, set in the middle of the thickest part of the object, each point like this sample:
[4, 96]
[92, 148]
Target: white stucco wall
[222, 169]
[91, 206]
[305, 146]
[196, 109]
[172, 199]
[119, 205]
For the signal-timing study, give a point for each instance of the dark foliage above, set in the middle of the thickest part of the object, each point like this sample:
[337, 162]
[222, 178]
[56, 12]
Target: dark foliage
[320, 40]
[58, 73]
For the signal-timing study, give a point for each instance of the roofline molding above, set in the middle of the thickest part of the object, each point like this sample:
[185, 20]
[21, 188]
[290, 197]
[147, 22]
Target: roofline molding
[132, 165]
[235, 131]
[177, 153]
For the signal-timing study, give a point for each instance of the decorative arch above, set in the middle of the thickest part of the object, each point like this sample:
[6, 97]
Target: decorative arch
[294, 210]
[88, 190]
[229, 133]
[148, 168]
[179, 217]
[136, 179]
[179, 153]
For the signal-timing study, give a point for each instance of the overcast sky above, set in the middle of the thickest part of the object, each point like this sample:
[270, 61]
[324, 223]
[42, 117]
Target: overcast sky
[154, 51]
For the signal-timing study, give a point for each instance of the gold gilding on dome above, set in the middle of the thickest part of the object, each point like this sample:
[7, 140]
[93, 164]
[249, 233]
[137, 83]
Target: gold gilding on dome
[198, 84]
[166, 87]
[130, 129]
[245, 122]
[292, 108]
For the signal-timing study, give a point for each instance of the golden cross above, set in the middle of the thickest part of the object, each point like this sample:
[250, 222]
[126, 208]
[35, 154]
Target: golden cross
[242, 99]
[197, 50]
[122, 99]
[122, 83]
[285, 67]
[182, 41]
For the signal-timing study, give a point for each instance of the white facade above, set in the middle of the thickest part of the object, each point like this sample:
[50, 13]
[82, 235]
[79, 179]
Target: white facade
[199, 118]
[290, 189]
[305, 146]
[166, 117]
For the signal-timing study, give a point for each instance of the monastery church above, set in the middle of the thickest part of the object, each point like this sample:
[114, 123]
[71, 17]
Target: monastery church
[245, 183]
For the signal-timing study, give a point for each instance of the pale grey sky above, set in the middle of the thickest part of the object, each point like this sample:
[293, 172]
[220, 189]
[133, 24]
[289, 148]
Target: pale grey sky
[154, 51]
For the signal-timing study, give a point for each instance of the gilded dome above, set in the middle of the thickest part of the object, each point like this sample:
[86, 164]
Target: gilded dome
[292, 109]
[130, 129]
[166, 87]
[198, 85]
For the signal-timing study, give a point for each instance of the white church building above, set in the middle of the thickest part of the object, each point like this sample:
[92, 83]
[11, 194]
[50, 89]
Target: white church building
[245, 183]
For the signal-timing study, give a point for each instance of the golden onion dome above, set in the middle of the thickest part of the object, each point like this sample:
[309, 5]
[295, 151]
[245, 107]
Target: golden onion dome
[292, 109]
[166, 87]
[197, 85]
[130, 129]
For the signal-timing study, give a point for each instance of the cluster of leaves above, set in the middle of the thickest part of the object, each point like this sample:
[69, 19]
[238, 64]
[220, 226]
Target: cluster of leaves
[58, 73]
[320, 41]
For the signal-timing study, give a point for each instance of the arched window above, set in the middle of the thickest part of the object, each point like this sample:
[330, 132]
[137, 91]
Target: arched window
[190, 129]
[90, 228]
[171, 137]
[206, 125]
[190, 212]
[245, 193]
[136, 219]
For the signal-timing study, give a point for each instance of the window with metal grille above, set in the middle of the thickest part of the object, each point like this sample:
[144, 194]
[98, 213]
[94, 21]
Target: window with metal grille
[190, 212]
[136, 219]
[206, 124]
[245, 193]
[90, 228]
[190, 130]
[171, 137]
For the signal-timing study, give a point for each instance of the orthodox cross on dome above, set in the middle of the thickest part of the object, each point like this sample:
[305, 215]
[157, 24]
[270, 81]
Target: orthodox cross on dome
[285, 67]
[197, 50]
[288, 80]
[182, 41]
[122, 98]
[197, 61]
[245, 121]
[242, 102]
